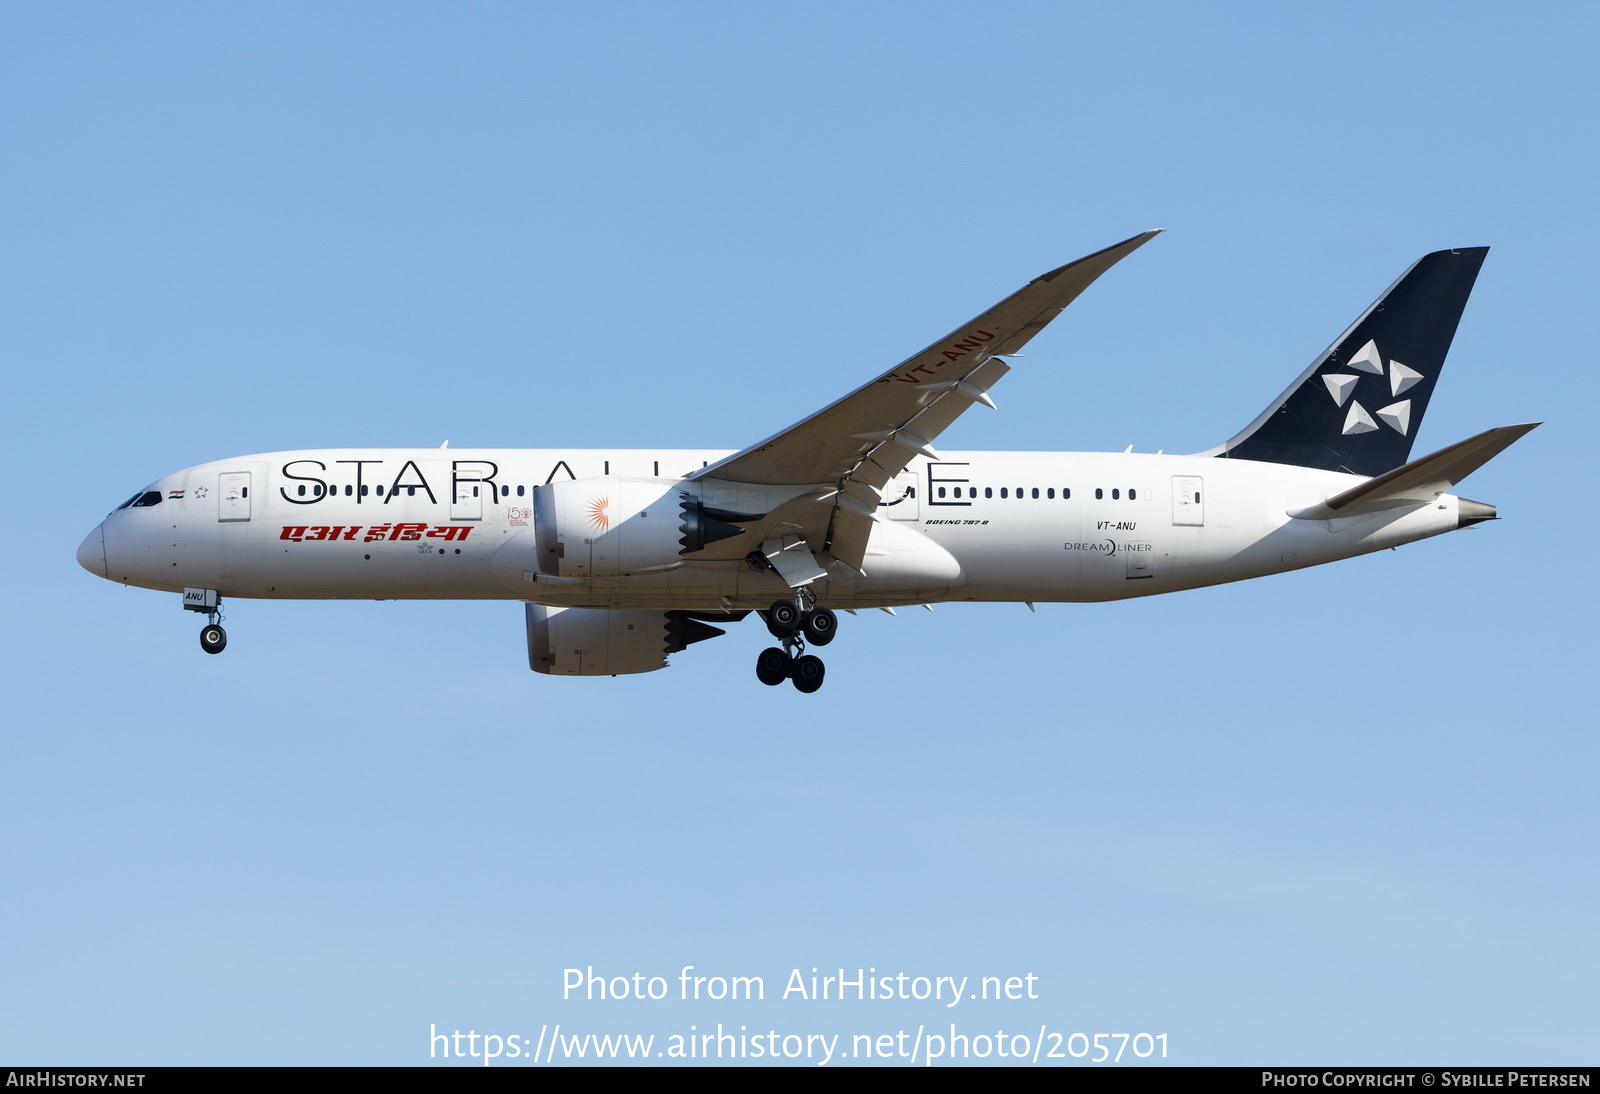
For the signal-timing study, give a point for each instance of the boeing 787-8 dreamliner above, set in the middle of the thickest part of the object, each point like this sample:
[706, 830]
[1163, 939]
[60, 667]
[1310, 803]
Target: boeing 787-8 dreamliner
[623, 558]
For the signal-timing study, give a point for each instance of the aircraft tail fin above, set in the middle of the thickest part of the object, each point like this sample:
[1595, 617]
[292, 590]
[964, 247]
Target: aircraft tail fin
[1421, 481]
[1359, 405]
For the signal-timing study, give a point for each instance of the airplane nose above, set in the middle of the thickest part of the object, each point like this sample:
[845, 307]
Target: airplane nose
[92, 552]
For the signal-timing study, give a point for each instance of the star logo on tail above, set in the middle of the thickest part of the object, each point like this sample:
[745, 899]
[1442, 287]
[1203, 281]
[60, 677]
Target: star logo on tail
[1342, 386]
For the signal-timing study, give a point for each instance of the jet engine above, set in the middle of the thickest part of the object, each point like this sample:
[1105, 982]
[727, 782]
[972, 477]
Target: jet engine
[598, 642]
[610, 526]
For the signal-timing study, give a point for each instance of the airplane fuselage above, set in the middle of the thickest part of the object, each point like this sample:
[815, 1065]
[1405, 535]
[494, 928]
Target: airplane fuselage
[974, 526]
[623, 558]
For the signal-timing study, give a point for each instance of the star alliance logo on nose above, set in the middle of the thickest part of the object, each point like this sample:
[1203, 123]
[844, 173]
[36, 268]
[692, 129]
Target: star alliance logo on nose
[1341, 385]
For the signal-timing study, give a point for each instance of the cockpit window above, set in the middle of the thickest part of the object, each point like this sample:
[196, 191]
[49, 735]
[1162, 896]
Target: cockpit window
[142, 500]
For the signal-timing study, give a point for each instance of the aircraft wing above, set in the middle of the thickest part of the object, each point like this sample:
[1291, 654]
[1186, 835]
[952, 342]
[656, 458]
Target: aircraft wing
[851, 449]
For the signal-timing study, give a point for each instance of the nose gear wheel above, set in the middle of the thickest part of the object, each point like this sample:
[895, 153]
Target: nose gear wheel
[213, 639]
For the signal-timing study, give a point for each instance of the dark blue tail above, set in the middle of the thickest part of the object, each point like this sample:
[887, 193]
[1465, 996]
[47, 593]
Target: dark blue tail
[1357, 408]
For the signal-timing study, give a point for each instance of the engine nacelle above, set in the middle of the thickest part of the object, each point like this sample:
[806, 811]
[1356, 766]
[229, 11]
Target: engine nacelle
[607, 526]
[597, 642]
[612, 526]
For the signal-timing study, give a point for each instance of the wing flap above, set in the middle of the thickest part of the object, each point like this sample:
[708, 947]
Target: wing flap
[848, 535]
[793, 560]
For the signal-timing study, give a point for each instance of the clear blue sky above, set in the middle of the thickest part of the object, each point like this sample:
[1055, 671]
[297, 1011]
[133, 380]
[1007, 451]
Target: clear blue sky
[1340, 816]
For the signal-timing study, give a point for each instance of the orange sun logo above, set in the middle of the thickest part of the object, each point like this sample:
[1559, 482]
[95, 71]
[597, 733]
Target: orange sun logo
[597, 513]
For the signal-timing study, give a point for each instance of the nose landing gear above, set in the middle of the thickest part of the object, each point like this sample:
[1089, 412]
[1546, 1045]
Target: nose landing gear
[794, 626]
[213, 639]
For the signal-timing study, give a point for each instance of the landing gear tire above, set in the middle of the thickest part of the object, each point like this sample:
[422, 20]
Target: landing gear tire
[213, 639]
[820, 625]
[772, 666]
[807, 673]
[783, 618]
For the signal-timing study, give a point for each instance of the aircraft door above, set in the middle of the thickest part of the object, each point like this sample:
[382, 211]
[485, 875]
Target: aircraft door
[900, 496]
[1188, 508]
[233, 496]
[468, 501]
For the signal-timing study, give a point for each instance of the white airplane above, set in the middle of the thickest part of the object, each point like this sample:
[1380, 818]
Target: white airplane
[625, 557]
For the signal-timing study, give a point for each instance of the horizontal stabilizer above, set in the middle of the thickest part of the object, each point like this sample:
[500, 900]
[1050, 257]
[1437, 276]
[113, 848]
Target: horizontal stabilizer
[1421, 481]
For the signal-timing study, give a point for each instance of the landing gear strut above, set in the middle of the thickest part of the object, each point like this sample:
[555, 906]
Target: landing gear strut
[794, 623]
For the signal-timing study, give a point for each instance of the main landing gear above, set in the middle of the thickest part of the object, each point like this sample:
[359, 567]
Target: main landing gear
[795, 626]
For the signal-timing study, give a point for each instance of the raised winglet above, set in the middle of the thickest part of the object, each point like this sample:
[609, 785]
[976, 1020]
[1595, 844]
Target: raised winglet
[837, 437]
